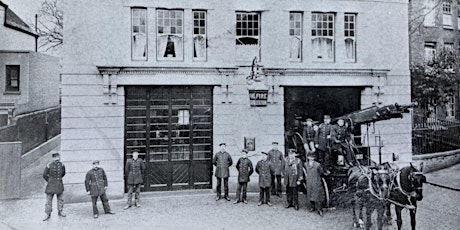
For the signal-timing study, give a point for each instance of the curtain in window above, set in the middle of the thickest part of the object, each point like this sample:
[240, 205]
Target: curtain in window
[139, 46]
[295, 49]
[177, 45]
[322, 48]
[162, 43]
[199, 43]
[350, 48]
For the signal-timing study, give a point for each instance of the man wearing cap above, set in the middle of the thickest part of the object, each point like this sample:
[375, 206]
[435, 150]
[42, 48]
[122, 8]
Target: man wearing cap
[265, 169]
[323, 141]
[96, 185]
[276, 158]
[245, 170]
[222, 160]
[292, 170]
[342, 137]
[53, 174]
[309, 132]
[315, 189]
[134, 169]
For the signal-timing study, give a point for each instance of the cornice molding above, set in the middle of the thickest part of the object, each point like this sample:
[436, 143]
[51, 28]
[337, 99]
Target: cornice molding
[325, 72]
[112, 70]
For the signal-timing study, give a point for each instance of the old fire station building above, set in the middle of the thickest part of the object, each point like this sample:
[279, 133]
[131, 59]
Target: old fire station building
[173, 79]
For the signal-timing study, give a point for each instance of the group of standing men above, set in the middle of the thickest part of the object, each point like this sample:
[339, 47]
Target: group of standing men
[271, 168]
[95, 184]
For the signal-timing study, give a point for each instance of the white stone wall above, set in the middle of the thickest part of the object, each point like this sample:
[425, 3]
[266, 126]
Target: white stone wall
[11, 39]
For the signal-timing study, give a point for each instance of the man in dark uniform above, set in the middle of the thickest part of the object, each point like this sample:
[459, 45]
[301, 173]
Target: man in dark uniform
[309, 132]
[323, 142]
[292, 171]
[222, 160]
[315, 189]
[134, 169]
[96, 185]
[265, 169]
[53, 174]
[342, 137]
[276, 158]
[245, 170]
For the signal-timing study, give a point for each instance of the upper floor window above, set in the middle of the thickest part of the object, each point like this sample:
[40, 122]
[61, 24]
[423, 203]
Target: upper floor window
[295, 36]
[322, 34]
[139, 34]
[447, 14]
[199, 35]
[430, 51]
[170, 37]
[12, 78]
[350, 36]
[247, 28]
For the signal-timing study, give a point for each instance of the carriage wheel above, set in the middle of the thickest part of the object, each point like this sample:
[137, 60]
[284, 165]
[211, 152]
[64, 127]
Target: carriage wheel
[326, 191]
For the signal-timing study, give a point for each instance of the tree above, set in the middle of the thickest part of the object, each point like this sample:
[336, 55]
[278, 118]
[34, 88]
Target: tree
[434, 81]
[50, 25]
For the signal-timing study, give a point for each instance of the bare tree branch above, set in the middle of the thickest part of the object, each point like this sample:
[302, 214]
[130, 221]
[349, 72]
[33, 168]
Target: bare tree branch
[50, 25]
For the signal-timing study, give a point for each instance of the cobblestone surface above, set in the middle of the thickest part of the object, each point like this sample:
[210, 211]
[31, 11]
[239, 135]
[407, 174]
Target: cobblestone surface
[198, 210]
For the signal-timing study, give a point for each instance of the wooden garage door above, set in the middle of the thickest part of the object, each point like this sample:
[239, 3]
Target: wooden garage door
[171, 126]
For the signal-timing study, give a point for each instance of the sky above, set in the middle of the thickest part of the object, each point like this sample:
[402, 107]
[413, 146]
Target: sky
[25, 9]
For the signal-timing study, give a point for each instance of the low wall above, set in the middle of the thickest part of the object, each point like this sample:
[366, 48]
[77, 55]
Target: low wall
[437, 161]
[35, 154]
[33, 129]
[10, 170]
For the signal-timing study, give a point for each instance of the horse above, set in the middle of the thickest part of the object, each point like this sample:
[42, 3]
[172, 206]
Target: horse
[406, 189]
[369, 189]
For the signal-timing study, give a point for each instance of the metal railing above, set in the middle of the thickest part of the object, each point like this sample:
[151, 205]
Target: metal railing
[431, 135]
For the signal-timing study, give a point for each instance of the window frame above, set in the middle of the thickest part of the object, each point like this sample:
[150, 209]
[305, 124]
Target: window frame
[133, 57]
[248, 22]
[431, 45]
[204, 35]
[296, 31]
[315, 30]
[8, 87]
[350, 37]
[169, 34]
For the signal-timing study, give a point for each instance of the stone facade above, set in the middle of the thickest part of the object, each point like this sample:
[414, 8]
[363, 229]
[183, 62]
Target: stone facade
[98, 64]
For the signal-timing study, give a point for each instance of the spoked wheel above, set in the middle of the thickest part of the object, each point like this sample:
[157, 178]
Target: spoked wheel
[326, 192]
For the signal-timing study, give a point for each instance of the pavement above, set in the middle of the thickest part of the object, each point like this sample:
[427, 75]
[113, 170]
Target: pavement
[197, 209]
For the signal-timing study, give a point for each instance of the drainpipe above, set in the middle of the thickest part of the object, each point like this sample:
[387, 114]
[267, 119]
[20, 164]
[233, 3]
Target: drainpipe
[455, 17]
[36, 31]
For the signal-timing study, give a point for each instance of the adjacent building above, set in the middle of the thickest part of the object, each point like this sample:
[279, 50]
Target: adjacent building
[434, 26]
[173, 79]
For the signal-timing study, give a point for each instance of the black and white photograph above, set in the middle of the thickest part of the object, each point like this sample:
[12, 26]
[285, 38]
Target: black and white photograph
[230, 114]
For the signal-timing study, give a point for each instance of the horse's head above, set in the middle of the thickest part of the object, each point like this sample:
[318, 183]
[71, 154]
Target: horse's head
[416, 180]
[382, 179]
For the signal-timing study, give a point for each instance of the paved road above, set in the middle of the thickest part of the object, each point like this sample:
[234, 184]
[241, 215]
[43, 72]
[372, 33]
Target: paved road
[440, 209]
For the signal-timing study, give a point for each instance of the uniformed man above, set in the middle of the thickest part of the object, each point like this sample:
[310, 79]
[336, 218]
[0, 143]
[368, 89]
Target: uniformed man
[245, 170]
[134, 170]
[292, 171]
[222, 160]
[315, 189]
[323, 142]
[53, 174]
[342, 138]
[265, 169]
[96, 186]
[276, 158]
[309, 132]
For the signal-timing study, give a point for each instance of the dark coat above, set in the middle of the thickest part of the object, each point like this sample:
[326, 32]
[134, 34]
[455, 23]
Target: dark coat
[222, 161]
[96, 182]
[308, 134]
[265, 170]
[134, 170]
[245, 169]
[53, 174]
[315, 189]
[277, 160]
[341, 134]
[321, 136]
[292, 170]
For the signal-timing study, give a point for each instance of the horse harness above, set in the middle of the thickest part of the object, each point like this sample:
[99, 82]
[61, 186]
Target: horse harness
[396, 186]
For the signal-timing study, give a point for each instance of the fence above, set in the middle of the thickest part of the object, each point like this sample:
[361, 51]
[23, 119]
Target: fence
[431, 135]
[33, 129]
